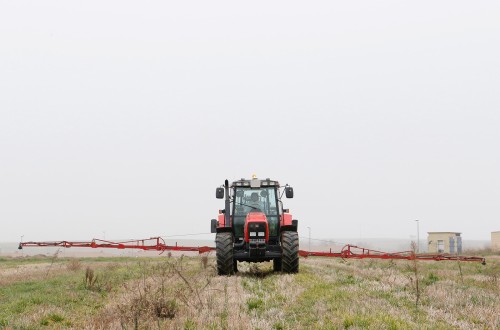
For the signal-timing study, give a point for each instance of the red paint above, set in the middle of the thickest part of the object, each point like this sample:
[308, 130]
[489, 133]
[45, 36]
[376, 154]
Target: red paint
[347, 252]
[222, 220]
[286, 219]
[356, 252]
[153, 243]
[254, 217]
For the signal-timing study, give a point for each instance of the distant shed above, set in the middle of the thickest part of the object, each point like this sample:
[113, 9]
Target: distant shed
[495, 240]
[444, 242]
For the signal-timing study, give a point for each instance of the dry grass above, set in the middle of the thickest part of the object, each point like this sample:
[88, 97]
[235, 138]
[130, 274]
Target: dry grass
[74, 265]
[42, 269]
[185, 293]
[176, 293]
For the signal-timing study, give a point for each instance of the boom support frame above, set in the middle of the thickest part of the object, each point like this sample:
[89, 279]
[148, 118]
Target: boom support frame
[158, 244]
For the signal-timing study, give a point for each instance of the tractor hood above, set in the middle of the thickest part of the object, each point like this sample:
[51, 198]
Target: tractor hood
[256, 227]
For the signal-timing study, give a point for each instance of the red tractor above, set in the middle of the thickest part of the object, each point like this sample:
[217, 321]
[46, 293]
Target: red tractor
[254, 226]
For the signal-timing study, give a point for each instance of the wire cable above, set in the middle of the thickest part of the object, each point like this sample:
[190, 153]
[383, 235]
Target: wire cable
[303, 238]
[180, 235]
[326, 241]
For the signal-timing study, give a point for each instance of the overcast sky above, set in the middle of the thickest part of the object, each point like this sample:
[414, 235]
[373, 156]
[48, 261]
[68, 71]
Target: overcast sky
[123, 117]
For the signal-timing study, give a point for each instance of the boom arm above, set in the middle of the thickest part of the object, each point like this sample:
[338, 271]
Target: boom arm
[347, 252]
[148, 244]
[356, 252]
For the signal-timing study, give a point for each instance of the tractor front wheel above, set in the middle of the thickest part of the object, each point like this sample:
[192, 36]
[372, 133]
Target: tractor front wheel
[224, 253]
[290, 252]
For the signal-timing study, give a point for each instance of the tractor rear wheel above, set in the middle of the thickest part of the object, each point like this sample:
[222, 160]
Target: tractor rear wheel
[277, 265]
[290, 252]
[224, 253]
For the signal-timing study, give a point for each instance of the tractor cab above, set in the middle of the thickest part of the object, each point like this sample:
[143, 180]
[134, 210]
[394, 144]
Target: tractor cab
[255, 200]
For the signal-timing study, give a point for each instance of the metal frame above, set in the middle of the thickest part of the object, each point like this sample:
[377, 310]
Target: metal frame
[356, 252]
[347, 252]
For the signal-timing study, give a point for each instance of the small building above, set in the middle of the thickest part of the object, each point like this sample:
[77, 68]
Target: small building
[444, 242]
[495, 240]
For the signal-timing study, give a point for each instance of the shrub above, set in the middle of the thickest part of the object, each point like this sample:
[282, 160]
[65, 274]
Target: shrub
[165, 308]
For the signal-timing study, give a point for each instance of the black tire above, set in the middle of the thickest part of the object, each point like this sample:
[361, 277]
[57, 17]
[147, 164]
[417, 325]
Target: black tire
[290, 252]
[277, 265]
[224, 253]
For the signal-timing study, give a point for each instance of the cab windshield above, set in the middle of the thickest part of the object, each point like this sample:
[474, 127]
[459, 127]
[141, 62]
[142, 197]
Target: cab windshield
[255, 200]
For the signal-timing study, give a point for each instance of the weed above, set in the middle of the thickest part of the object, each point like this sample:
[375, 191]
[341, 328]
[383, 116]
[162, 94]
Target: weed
[357, 321]
[52, 260]
[460, 270]
[349, 279]
[431, 279]
[51, 318]
[154, 297]
[223, 319]
[278, 326]
[493, 274]
[162, 293]
[97, 283]
[204, 261]
[348, 322]
[254, 303]
[189, 325]
[74, 265]
[90, 281]
[413, 267]
[165, 308]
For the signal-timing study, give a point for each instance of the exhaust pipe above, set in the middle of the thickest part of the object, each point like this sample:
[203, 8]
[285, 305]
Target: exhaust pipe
[228, 204]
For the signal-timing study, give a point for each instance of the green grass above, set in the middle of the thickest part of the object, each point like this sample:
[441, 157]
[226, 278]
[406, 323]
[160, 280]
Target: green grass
[66, 291]
[332, 294]
[53, 318]
[325, 294]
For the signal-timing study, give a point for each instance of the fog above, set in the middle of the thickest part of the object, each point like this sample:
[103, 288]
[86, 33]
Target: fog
[120, 118]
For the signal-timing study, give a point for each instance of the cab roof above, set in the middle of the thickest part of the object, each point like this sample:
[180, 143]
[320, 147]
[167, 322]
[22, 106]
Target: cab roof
[255, 183]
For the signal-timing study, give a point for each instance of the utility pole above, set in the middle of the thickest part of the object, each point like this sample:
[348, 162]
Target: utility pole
[418, 236]
[309, 238]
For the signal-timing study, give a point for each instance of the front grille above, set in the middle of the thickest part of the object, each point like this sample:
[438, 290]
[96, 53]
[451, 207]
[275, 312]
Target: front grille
[257, 229]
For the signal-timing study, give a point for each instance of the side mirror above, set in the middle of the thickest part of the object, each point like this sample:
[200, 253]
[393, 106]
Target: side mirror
[213, 226]
[219, 193]
[289, 192]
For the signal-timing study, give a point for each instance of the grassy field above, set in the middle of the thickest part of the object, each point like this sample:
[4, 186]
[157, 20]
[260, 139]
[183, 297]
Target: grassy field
[185, 293]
